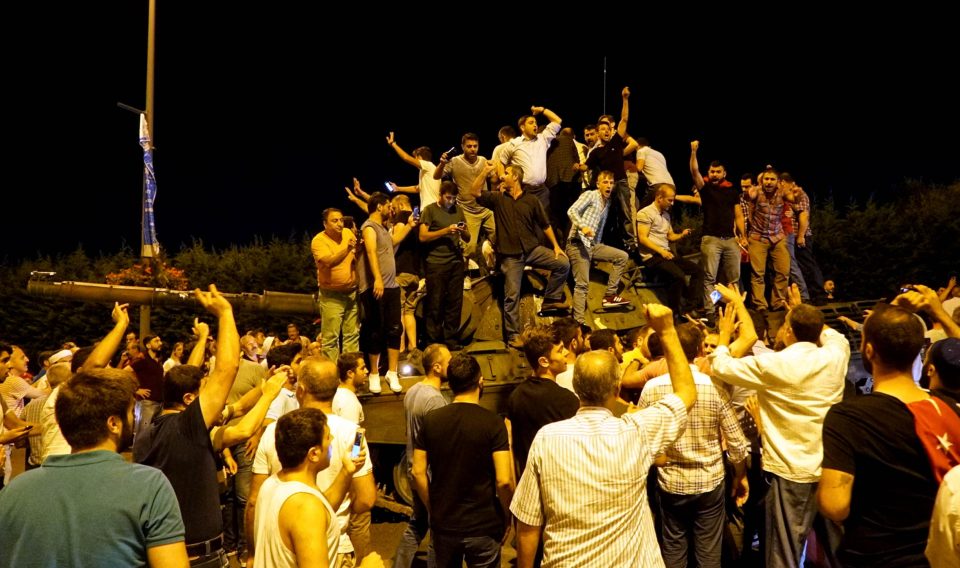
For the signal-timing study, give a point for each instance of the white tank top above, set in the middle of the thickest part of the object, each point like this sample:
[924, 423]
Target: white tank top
[270, 550]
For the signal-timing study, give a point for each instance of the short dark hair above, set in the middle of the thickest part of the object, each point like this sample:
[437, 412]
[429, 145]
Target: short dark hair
[431, 355]
[608, 118]
[770, 171]
[80, 357]
[296, 433]
[945, 356]
[516, 170]
[463, 373]
[717, 164]
[590, 127]
[566, 329]
[326, 213]
[748, 177]
[88, 399]
[283, 354]
[641, 141]
[179, 381]
[469, 136]
[423, 153]
[655, 345]
[806, 322]
[348, 362]
[603, 339]
[896, 336]
[448, 188]
[785, 176]
[507, 132]
[378, 199]
[522, 120]
[691, 340]
[537, 341]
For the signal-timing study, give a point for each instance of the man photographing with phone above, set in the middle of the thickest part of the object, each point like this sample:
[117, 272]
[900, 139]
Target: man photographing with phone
[334, 251]
[443, 231]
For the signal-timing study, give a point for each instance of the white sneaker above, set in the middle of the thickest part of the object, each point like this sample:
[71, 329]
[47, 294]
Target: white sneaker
[467, 283]
[373, 383]
[394, 381]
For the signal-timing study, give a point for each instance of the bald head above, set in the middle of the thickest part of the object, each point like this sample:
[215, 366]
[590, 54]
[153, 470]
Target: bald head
[58, 373]
[317, 379]
[596, 377]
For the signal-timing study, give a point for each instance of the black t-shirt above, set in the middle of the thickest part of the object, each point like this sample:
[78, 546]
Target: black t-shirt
[533, 404]
[407, 253]
[460, 439]
[609, 157]
[179, 445]
[517, 220]
[718, 209]
[446, 248]
[872, 437]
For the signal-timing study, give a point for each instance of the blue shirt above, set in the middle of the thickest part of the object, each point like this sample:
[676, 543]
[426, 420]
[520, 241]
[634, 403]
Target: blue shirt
[87, 509]
[588, 211]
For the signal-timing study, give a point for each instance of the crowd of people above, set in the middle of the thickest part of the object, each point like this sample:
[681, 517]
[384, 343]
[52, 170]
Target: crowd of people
[634, 450]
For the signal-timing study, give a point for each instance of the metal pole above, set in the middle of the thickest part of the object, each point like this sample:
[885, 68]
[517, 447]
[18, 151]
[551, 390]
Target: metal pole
[151, 49]
[604, 84]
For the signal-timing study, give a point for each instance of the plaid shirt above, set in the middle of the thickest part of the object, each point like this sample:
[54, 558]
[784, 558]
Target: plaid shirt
[696, 458]
[588, 211]
[801, 203]
[767, 216]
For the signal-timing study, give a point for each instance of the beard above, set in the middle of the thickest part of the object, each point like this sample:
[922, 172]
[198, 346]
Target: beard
[126, 436]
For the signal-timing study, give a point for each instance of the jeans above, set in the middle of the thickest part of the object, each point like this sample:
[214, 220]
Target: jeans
[811, 270]
[478, 551]
[415, 533]
[695, 520]
[512, 268]
[796, 276]
[790, 508]
[627, 199]
[338, 314]
[234, 537]
[580, 259]
[720, 256]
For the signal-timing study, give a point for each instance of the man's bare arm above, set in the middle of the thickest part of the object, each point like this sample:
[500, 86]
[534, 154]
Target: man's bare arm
[103, 352]
[213, 393]
[400, 152]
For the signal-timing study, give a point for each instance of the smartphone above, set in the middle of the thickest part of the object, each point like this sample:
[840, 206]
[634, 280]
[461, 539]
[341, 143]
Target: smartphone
[416, 212]
[461, 225]
[357, 443]
[450, 152]
[389, 187]
[347, 222]
[715, 296]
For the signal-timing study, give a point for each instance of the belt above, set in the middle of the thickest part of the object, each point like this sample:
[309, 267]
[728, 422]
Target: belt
[206, 547]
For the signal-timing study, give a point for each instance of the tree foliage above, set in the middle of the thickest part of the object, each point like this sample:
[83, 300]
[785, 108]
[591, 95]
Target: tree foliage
[869, 249]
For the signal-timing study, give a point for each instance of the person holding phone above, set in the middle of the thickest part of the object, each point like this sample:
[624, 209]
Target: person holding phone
[443, 232]
[334, 251]
[427, 186]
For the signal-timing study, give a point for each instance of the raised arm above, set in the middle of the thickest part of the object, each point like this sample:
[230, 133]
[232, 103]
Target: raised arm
[660, 319]
[202, 331]
[695, 165]
[549, 114]
[400, 231]
[624, 113]
[103, 352]
[214, 391]
[736, 309]
[477, 187]
[250, 423]
[922, 298]
[403, 155]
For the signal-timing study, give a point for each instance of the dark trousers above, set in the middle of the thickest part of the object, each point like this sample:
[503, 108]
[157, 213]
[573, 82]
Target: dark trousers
[678, 289]
[562, 196]
[811, 270]
[790, 509]
[692, 522]
[416, 531]
[381, 327]
[478, 551]
[444, 301]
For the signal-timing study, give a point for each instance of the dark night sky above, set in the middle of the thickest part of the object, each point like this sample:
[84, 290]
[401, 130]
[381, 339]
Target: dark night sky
[262, 117]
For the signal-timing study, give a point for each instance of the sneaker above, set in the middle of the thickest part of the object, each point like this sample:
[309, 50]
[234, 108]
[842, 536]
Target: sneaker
[394, 381]
[467, 284]
[515, 343]
[614, 301]
[373, 383]
[556, 305]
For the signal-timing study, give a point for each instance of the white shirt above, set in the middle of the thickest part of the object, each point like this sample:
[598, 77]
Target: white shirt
[654, 166]
[342, 433]
[271, 552]
[531, 155]
[795, 388]
[286, 401]
[347, 405]
[943, 546]
[54, 444]
[429, 187]
[585, 483]
[565, 379]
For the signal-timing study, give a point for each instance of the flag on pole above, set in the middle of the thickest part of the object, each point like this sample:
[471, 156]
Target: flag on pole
[151, 247]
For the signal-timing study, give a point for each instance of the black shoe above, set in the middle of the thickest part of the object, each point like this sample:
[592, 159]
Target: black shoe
[515, 343]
